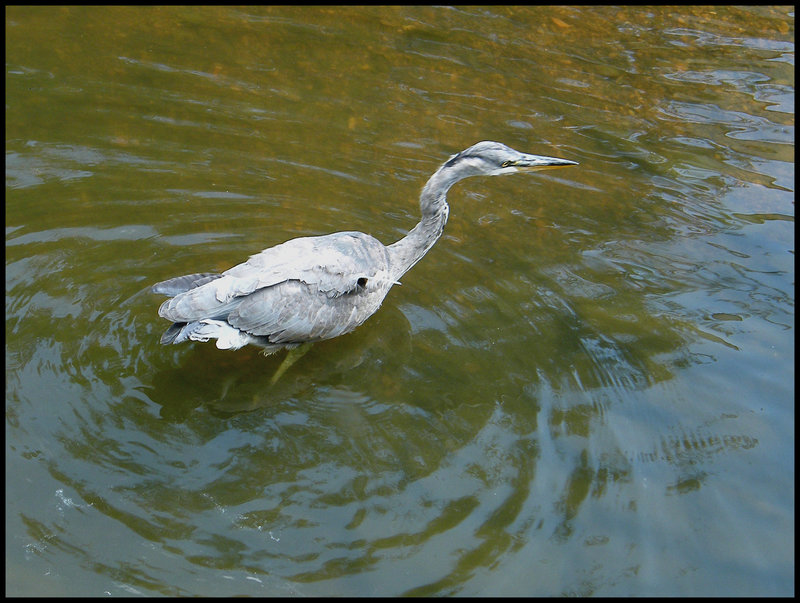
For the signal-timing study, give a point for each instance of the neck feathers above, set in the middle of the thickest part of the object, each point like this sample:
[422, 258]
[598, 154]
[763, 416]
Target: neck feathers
[433, 204]
[410, 249]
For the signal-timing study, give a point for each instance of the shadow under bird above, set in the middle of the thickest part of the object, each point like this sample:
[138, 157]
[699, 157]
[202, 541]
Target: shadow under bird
[314, 288]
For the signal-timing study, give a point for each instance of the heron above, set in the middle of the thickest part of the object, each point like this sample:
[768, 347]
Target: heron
[315, 288]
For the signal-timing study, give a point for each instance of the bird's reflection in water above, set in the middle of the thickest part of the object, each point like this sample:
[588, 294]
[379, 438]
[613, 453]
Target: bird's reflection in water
[241, 382]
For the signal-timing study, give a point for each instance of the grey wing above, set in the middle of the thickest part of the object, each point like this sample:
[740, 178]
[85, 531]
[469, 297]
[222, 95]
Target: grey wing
[332, 265]
[295, 312]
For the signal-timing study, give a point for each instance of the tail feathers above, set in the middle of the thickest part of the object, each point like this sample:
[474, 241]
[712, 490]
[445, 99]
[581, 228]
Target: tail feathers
[181, 284]
[228, 337]
[172, 333]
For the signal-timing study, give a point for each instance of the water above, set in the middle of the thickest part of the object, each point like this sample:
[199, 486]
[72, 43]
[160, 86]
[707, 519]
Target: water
[587, 386]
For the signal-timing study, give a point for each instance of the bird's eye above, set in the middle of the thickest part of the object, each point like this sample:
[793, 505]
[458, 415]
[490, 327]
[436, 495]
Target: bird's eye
[507, 163]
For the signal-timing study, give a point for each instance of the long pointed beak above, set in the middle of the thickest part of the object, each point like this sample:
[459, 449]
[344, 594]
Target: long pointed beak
[530, 163]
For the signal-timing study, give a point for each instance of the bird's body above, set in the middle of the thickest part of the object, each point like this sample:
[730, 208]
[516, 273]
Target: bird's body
[304, 290]
[314, 288]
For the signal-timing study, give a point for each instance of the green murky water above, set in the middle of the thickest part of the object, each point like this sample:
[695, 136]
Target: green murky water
[586, 387]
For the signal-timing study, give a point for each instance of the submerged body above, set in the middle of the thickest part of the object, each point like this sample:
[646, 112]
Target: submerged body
[314, 288]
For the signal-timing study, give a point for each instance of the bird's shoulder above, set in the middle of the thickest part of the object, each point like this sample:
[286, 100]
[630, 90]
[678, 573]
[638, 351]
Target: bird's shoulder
[337, 251]
[335, 263]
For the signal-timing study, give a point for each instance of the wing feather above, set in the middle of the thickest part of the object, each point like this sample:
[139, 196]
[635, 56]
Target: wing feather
[294, 312]
[290, 288]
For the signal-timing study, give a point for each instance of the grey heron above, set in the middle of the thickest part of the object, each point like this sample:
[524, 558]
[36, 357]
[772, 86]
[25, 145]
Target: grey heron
[313, 288]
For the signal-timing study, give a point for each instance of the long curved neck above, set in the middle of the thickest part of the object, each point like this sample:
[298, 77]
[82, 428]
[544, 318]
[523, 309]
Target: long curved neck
[433, 203]
[409, 250]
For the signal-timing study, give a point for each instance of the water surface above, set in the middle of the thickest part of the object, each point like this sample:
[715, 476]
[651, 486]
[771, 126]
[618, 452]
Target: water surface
[586, 387]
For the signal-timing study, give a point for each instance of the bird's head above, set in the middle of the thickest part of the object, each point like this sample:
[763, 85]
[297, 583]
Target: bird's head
[494, 158]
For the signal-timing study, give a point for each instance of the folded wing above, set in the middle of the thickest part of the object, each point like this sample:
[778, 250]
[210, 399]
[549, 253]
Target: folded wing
[306, 289]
